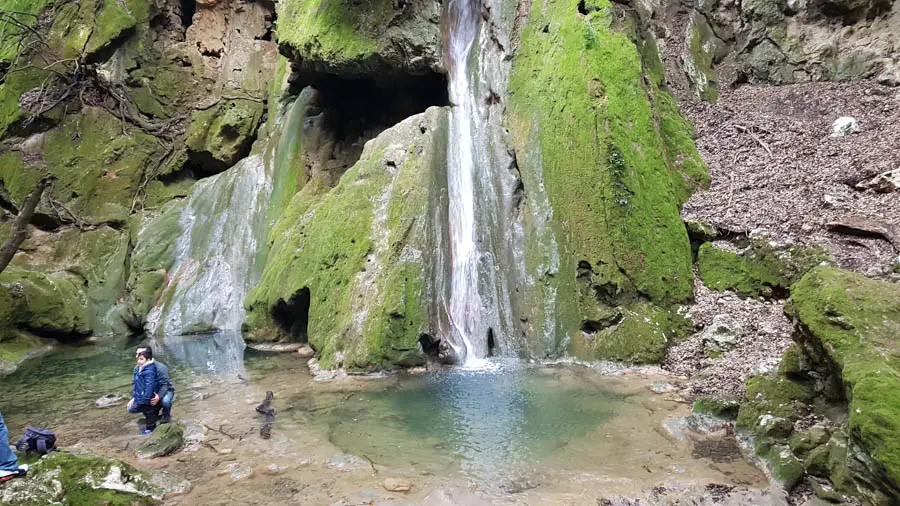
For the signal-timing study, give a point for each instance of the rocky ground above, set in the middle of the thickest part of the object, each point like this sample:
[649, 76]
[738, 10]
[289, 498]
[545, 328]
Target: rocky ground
[776, 169]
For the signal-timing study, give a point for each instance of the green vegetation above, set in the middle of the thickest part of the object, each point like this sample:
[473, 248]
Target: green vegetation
[616, 160]
[367, 302]
[856, 320]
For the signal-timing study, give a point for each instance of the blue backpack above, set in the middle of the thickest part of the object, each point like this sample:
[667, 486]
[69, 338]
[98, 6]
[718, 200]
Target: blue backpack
[37, 439]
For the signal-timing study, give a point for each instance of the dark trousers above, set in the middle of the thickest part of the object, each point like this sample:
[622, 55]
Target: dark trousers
[151, 414]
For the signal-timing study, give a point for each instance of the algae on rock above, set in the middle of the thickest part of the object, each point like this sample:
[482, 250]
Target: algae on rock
[357, 255]
[615, 173]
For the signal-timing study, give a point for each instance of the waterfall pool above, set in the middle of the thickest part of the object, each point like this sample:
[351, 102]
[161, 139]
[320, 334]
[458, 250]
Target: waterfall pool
[514, 433]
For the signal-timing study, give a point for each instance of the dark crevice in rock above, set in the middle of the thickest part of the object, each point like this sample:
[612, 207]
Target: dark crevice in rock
[293, 316]
[351, 111]
[594, 326]
[430, 346]
[491, 343]
[105, 53]
[188, 8]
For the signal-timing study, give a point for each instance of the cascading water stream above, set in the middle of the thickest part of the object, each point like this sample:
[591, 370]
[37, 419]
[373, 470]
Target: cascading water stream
[465, 301]
[220, 253]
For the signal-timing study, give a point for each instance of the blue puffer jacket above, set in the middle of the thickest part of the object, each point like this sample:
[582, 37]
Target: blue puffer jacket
[144, 384]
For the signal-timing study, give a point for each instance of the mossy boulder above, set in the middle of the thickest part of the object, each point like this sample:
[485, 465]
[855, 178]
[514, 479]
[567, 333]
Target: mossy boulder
[74, 480]
[760, 268]
[852, 324]
[719, 407]
[164, 440]
[372, 37]
[356, 255]
[16, 346]
[592, 127]
[52, 305]
[771, 397]
[220, 136]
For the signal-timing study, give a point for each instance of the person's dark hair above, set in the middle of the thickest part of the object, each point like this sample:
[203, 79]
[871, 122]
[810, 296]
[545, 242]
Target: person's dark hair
[145, 351]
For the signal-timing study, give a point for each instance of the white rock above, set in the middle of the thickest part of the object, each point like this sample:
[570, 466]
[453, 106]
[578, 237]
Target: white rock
[108, 401]
[843, 126]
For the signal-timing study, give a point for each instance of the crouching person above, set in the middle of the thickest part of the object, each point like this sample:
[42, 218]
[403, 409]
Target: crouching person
[143, 388]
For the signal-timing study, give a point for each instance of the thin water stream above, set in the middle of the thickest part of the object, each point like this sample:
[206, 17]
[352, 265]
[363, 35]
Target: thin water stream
[516, 433]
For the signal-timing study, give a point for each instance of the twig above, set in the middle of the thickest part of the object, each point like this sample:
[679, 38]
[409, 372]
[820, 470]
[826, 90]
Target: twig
[742, 128]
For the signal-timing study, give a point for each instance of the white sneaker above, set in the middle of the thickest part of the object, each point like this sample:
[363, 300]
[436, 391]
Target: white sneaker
[23, 468]
[7, 473]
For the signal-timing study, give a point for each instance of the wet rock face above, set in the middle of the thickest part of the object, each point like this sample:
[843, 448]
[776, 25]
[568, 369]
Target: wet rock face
[726, 42]
[360, 250]
[371, 38]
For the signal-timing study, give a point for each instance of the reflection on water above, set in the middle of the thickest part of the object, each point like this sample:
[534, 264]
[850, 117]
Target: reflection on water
[214, 353]
[483, 422]
[54, 388]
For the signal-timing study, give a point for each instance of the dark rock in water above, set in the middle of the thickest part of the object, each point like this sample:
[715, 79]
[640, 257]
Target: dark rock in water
[163, 441]
[447, 354]
[265, 431]
[108, 401]
[65, 478]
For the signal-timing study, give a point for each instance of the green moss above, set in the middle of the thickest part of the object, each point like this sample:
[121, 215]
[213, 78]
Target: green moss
[804, 442]
[337, 33]
[362, 265]
[786, 467]
[224, 132]
[641, 336]
[722, 408]
[15, 346]
[703, 48]
[19, 80]
[721, 269]
[793, 363]
[585, 123]
[24, 12]
[99, 164]
[69, 479]
[49, 304]
[856, 320]
[771, 395]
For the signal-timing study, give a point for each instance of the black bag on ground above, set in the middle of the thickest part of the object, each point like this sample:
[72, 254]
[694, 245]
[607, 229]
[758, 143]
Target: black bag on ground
[38, 440]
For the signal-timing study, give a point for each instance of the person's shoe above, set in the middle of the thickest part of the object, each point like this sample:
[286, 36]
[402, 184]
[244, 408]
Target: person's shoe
[8, 475]
[146, 432]
[23, 468]
[165, 419]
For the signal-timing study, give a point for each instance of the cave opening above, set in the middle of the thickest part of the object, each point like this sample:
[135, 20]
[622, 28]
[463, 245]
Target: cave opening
[354, 110]
[491, 343]
[293, 316]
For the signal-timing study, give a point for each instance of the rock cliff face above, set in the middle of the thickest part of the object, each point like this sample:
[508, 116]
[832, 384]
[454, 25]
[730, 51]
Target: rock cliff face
[131, 113]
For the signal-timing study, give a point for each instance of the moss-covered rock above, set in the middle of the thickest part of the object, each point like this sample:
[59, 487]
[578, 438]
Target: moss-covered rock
[718, 407]
[786, 467]
[615, 167]
[74, 480]
[854, 322]
[220, 136]
[772, 396]
[374, 37]
[358, 255]
[45, 304]
[164, 440]
[761, 268]
[16, 346]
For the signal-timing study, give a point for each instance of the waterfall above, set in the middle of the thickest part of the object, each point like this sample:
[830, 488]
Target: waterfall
[484, 234]
[220, 253]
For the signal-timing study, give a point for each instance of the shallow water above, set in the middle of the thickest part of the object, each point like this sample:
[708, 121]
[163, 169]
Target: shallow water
[514, 434]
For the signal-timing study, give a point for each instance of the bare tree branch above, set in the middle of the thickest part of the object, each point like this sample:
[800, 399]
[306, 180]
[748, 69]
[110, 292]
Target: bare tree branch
[20, 226]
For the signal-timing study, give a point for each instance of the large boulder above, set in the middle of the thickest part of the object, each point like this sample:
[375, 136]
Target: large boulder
[598, 140]
[69, 479]
[347, 268]
[850, 327]
[52, 305]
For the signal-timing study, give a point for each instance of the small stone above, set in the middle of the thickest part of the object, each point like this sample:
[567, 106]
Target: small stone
[416, 370]
[343, 461]
[273, 469]
[662, 387]
[830, 201]
[843, 126]
[395, 484]
[306, 352]
[224, 451]
[108, 401]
